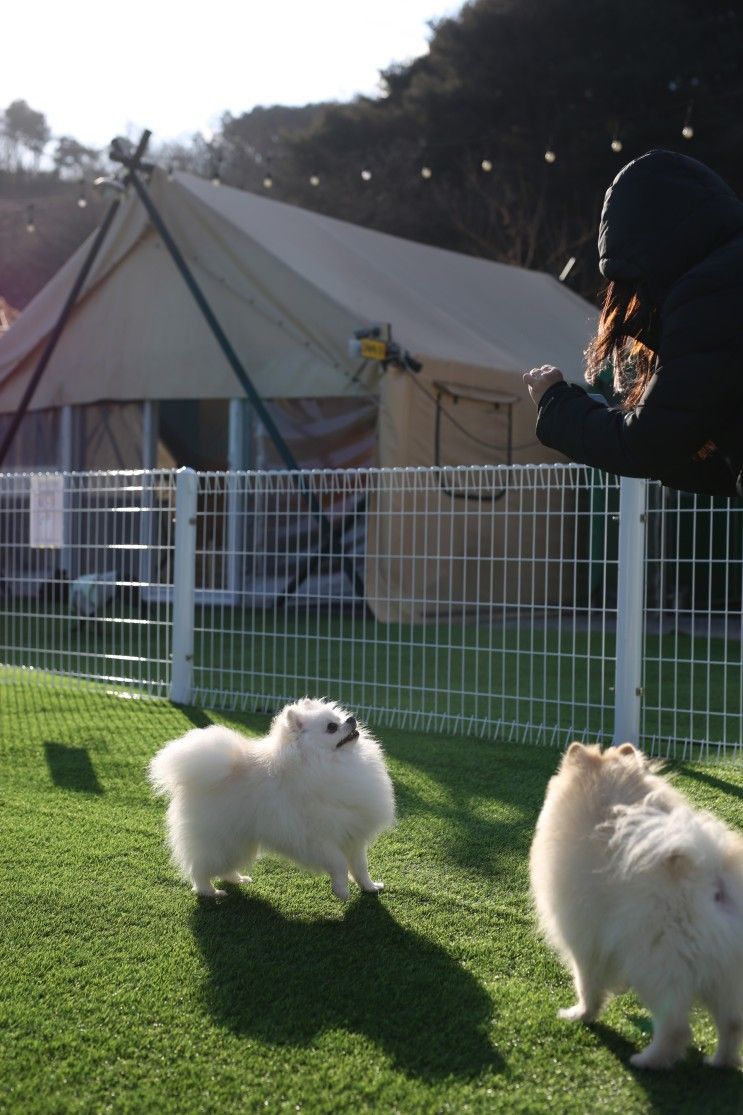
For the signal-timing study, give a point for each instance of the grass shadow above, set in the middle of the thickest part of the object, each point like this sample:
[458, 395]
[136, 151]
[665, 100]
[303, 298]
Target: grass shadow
[703, 1088]
[71, 768]
[286, 982]
[484, 816]
[197, 716]
[720, 784]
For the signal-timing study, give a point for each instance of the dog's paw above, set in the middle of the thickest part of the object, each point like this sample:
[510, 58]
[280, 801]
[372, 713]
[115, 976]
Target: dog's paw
[341, 892]
[576, 1013]
[373, 888]
[649, 1059]
[236, 877]
[213, 892]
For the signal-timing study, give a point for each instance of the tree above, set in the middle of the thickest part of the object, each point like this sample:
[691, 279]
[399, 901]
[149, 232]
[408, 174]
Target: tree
[23, 128]
[71, 156]
[503, 81]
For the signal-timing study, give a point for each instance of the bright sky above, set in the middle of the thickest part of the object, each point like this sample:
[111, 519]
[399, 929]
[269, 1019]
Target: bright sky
[97, 69]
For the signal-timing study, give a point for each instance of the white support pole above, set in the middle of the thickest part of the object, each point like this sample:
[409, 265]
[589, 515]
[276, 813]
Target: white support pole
[239, 421]
[67, 464]
[184, 586]
[149, 461]
[630, 610]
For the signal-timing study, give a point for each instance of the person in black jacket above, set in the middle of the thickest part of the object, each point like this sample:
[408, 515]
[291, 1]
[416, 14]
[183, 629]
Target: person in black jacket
[671, 328]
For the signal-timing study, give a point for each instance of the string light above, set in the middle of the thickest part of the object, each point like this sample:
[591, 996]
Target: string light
[687, 131]
[426, 172]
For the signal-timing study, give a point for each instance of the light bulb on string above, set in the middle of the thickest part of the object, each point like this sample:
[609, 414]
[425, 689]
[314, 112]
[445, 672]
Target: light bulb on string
[82, 201]
[366, 174]
[616, 145]
[426, 172]
[687, 131]
[549, 155]
[30, 223]
[314, 180]
[486, 165]
[268, 182]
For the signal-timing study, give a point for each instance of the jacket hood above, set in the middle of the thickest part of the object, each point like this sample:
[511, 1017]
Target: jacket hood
[662, 214]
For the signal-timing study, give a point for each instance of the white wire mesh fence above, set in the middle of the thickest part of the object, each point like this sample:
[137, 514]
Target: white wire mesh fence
[499, 601]
[82, 558]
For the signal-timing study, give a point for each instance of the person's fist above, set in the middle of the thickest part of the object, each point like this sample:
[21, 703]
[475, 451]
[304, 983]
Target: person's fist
[539, 379]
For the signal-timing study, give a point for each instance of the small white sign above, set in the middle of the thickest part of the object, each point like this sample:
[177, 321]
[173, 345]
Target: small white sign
[46, 512]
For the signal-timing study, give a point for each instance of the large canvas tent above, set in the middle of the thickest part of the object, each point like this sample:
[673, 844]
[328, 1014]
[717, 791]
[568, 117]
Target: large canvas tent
[289, 287]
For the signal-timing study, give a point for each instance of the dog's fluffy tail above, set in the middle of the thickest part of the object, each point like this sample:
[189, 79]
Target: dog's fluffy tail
[203, 757]
[649, 835]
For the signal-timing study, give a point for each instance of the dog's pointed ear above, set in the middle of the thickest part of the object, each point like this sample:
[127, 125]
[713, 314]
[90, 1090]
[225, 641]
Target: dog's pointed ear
[582, 754]
[627, 749]
[294, 720]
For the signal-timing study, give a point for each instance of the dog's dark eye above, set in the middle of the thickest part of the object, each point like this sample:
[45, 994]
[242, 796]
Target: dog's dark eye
[332, 727]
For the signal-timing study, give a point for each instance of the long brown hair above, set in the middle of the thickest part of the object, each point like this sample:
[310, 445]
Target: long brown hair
[625, 320]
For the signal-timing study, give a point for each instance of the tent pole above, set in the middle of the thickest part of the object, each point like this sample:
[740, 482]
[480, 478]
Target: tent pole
[211, 320]
[56, 333]
[132, 164]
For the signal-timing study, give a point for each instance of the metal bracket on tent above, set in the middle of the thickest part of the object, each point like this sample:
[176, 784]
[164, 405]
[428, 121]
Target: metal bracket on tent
[498, 401]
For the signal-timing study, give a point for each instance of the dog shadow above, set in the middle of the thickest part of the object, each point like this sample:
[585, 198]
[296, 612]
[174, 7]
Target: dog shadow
[286, 982]
[698, 1083]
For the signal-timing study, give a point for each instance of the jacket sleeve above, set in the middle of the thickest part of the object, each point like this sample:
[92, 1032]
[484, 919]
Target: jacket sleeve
[590, 433]
[694, 397]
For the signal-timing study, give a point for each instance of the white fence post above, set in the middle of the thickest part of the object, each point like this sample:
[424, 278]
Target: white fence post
[184, 586]
[630, 609]
[235, 502]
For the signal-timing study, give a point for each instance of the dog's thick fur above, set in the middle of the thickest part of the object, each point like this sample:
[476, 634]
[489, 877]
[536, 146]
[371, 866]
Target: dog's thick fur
[315, 789]
[634, 888]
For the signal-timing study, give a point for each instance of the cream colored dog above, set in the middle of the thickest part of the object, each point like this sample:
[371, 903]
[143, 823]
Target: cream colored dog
[315, 789]
[634, 888]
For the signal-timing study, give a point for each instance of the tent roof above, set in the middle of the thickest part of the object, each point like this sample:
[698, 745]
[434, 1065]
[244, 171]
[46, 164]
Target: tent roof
[289, 287]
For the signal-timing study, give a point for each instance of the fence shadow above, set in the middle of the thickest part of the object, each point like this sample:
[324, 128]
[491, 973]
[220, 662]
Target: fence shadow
[286, 982]
[716, 783]
[71, 768]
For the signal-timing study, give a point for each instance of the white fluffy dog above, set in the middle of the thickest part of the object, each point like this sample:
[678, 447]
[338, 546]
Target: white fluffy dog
[315, 789]
[634, 888]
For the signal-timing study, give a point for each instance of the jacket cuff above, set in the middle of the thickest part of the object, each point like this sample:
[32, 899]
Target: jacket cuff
[551, 392]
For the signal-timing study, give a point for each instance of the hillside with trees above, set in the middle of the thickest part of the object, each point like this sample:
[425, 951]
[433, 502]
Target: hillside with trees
[452, 151]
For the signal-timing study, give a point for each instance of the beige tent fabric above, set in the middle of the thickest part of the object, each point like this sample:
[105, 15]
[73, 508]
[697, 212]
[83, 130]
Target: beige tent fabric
[289, 287]
[431, 554]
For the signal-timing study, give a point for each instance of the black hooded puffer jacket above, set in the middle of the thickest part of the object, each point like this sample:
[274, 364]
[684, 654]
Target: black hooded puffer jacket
[675, 227]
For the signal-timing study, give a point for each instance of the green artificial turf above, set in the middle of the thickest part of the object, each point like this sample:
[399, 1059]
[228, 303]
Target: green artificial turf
[122, 992]
[472, 678]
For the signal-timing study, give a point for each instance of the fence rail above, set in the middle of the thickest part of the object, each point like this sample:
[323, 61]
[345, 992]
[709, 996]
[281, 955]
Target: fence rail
[534, 603]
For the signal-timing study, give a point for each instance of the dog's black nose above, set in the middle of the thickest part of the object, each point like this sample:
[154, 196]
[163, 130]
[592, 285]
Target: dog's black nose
[351, 723]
